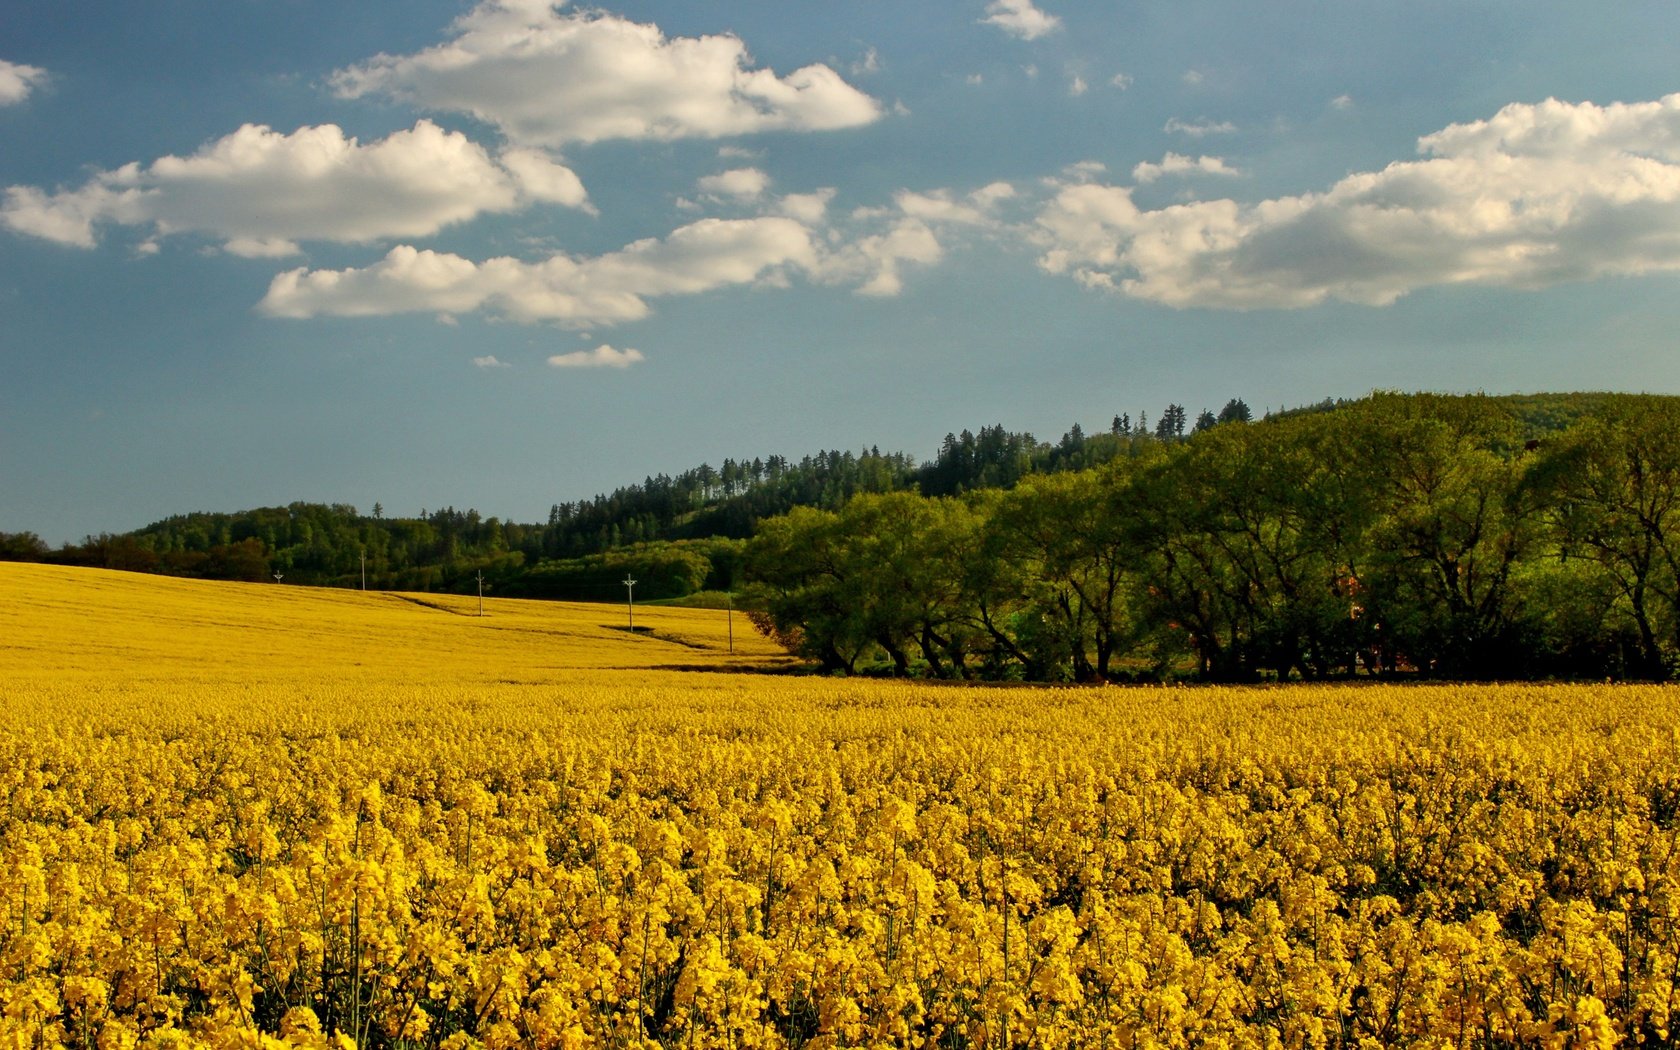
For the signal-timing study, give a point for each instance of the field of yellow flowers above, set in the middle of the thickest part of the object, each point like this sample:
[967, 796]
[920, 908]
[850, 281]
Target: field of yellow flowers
[258, 816]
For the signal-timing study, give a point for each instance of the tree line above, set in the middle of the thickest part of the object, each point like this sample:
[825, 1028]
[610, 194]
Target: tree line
[1399, 534]
[1454, 537]
[655, 529]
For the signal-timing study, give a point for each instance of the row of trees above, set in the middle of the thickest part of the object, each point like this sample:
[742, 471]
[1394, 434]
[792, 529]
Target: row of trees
[446, 549]
[1401, 534]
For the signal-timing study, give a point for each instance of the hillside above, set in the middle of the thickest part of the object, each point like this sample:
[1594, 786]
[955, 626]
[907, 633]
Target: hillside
[69, 624]
[675, 532]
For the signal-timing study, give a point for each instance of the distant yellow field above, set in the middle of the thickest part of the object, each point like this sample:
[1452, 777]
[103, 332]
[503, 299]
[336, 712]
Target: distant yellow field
[58, 622]
[259, 816]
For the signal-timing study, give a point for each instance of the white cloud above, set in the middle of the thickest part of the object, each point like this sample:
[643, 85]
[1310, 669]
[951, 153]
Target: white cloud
[17, 81]
[809, 208]
[602, 290]
[989, 195]
[259, 248]
[1342, 102]
[974, 79]
[876, 259]
[1537, 195]
[794, 237]
[1019, 18]
[490, 361]
[1084, 170]
[1121, 81]
[1178, 164]
[738, 183]
[261, 191]
[1077, 86]
[602, 356]
[943, 206]
[546, 77]
[543, 179]
[869, 63]
[1198, 129]
[1193, 77]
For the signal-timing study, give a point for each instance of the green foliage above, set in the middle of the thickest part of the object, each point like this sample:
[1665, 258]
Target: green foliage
[661, 570]
[1457, 537]
[22, 546]
[1452, 536]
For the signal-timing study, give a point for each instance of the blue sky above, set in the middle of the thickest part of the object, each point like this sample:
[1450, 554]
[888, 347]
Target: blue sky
[505, 254]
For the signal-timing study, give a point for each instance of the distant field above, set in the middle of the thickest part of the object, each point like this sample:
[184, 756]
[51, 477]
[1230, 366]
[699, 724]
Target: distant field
[237, 813]
[58, 622]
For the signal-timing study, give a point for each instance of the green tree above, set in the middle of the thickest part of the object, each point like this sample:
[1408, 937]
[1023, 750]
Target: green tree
[1460, 513]
[1616, 487]
[1067, 535]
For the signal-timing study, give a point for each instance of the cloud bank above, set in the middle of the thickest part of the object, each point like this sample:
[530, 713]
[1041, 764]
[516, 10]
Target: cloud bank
[581, 293]
[18, 81]
[260, 191]
[794, 236]
[548, 78]
[1537, 195]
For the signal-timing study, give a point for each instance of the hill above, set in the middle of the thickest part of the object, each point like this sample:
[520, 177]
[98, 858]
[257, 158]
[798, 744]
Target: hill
[71, 624]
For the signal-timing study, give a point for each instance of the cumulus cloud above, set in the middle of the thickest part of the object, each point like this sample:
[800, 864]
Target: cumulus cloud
[877, 259]
[1077, 86]
[1537, 195]
[261, 191]
[887, 240]
[548, 77]
[490, 361]
[602, 356]
[794, 236]
[1121, 81]
[943, 206]
[1197, 129]
[542, 178]
[1342, 102]
[737, 183]
[18, 81]
[1084, 170]
[809, 208]
[1019, 18]
[581, 293]
[1178, 164]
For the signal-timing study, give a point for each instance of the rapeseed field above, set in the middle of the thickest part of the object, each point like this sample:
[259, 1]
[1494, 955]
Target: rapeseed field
[261, 816]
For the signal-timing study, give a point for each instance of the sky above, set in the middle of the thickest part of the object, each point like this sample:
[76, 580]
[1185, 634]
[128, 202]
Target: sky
[506, 254]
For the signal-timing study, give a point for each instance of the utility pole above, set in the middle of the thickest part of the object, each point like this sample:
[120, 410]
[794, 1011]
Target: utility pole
[730, 595]
[630, 599]
[277, 576]
[481, 592]
[364, 570]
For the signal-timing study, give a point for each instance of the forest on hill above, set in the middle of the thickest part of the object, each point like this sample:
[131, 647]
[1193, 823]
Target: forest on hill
[648, 526]
[1397, 535]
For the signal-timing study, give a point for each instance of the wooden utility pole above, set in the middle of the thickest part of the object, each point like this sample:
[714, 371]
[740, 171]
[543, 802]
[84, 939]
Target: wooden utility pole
[481, 592]
[730, 595]
[630, 598]
[364, 570]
